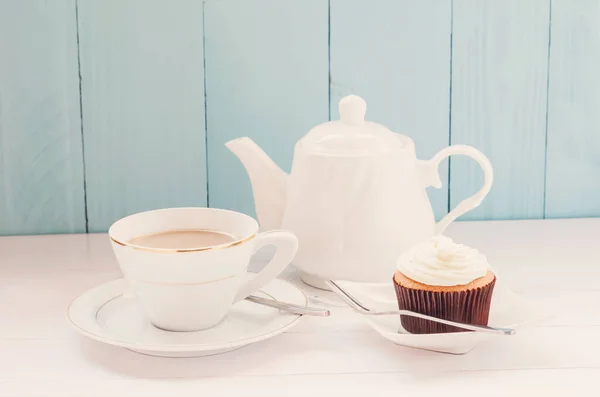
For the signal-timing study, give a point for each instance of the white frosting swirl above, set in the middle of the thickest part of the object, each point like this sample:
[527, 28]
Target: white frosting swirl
[440, 261]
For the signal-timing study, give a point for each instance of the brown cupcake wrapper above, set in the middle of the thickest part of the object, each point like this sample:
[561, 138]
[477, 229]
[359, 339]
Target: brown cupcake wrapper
[469, 306]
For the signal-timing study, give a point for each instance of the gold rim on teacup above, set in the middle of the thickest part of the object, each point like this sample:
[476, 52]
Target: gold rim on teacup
[183, 250]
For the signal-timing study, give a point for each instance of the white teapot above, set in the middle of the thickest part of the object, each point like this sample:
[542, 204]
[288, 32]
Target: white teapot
[355, 196]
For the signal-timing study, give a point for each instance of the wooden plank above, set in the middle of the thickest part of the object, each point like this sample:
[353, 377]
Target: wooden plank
[143, 106]
[499, 79]
[341, 347]
[353, 352]
[573, 168]
[57, 291]
[266, 78]
[41, 163]
[543, 382]
[396, 55]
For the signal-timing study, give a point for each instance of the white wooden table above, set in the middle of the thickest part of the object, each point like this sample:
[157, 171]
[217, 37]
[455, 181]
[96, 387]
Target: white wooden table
[552, 261]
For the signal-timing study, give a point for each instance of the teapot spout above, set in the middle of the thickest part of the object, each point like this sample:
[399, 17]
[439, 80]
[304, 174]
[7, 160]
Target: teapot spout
[269, 182]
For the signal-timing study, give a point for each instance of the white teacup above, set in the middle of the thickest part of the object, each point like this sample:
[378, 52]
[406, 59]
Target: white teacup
[193, 289]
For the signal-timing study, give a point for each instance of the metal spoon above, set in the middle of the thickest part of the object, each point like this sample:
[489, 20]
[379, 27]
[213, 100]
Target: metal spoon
[359, 307]
[289, 307]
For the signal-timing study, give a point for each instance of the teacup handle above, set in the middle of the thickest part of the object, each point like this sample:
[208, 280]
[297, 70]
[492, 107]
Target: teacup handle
[430, 177]
[286, 244]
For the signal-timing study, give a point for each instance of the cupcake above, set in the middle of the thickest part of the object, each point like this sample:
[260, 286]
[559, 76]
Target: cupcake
[446, 280]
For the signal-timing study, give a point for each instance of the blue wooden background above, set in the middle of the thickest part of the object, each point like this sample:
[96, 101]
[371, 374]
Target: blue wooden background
[117, 106]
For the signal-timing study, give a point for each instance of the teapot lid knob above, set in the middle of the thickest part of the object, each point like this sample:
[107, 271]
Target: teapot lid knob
[352, 109]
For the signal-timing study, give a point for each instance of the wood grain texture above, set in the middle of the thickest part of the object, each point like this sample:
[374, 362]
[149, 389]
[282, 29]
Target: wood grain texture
[544, 382]
[396, 55]
[266, 78]
[499, 80]
[341, 353]
[41, 163]
[143, 106]
[573, 162]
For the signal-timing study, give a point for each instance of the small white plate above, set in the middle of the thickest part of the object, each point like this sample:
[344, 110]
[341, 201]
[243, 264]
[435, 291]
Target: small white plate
[109, 315]
[507, 310]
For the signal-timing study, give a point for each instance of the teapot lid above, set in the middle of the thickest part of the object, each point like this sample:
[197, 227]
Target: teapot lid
[351, 135]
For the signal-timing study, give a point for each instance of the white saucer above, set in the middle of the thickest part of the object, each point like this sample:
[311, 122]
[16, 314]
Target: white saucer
[108, 315]
[508, 310]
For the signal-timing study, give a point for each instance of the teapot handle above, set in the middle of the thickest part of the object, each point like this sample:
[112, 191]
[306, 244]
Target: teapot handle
[429, 172]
